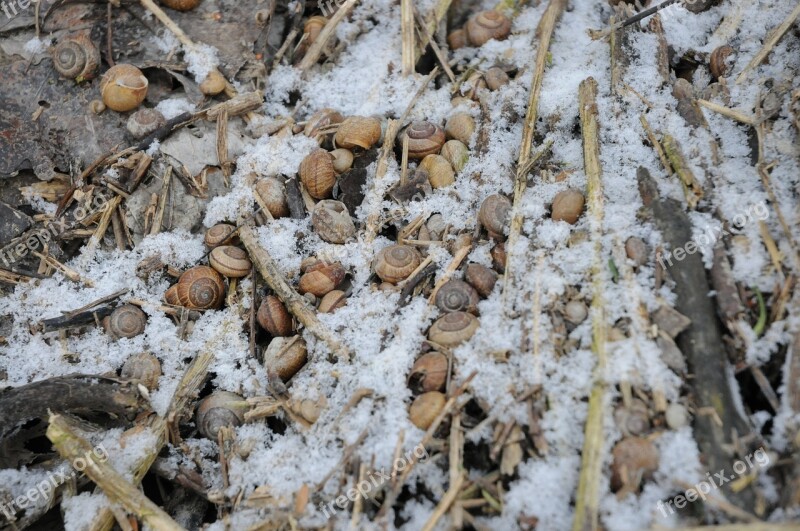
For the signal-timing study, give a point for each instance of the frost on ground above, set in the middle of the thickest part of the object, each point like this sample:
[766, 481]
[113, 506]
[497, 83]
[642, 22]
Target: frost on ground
[509, 357]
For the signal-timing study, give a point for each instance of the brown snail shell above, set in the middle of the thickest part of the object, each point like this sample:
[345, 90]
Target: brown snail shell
[485, 26]
[321, 278]
[456, 153]
[429, 372]
[636, 250]
[213, 84]
[320, 120]
[145, 121]
[358, 131]
[718, 62]
[495, 78]
[230, 261]
[201, 288]
[77, 58]
[495, 215]
[457, 296]
[498, 253]
[181, 5]
[460, 126]
[313, 27]
[425, 408]
[440, 173]
[318, 174]
[332, 301]
[171, 296]
[634, 458]
[332, 221]
[126, 321]
[457, 39]
[632, 420]
[272, 193]
[568, 205]
[273, 317]
[424, 138]
[342, 160]
[453, 329]
[123, 88]
[396, 262]
[285, 356]
[143, 367]
[219, 234]
[218, 410]
[481, 278]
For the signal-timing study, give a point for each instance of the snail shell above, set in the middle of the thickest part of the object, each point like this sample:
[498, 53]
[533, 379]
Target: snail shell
[77, 58]
[97, 106]
[481, 278]
[396, 262]
[358, 131]
[145, 121]
[494, 215]
[424, 138]
[201, 288]
[181, 5]
[457, 296]
[332, 221]
[320, 120]
[274, 317]
[457, 39]
[221, 233]
[332, 301]
[718, 62]
[436, 226]
[313, 27]
[126, 321]
[495, 78]
[633, 420]
[575, 312]
[456, 153]
[498, 253]
[342, 160]
[634, 458]
[429, 372]
[218, 410]
[440, 173]
[171, 296]
[636, 250]
[568, 205]
[230, 261]
[425, 408]
[213, 84]
[123, 88]
[321, 278]
[460, 126]
[485, 26]
[318, 174]
[143, 367]
[285, 356]
[453, 329]
[272, 193]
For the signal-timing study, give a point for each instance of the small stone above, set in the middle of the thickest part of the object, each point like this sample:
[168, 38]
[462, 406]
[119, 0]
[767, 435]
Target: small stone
[676, 416]
[636, 250]
[670, 321]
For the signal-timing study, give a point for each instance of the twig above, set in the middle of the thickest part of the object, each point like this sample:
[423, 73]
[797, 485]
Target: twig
[445, 503]
[440, 56]
[315, 50]
[774, 36]
[162, 202]
[98, 302]
[691, 188]
[409, 56]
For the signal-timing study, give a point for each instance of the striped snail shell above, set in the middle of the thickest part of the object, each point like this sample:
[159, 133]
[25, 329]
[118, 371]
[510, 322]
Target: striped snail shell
[230, 261]
[77, 58]
[481, 278]
[396, 263]
[126, 321]
[274, 317]
[219, 234]
[494, 215]
[358, 131]
[453, 329]
[457, 296]
[321, 278]
[318, 174]
[201, 288]
[487, 25]
[425, 408]
[218, 410]
[424, 138]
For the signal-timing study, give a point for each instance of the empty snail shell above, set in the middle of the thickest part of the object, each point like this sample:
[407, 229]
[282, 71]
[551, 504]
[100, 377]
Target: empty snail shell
[486, 26]
[201, 288]
[568, 205]
[213, 84]
[440, 173]
[219, 234]
[575, 312]
[271, 193]
[634, 458]
[498, 253]
[126, 321]
[285, 356]
[97, 106]
[429, 372]
[718, 62]
[396, 263]
[321, 278]
[313, 27]
[332, 301]
[636, 250]
[481, 278]
[457, 296]
[273, 317]
[332, 221]
[453, 329]
[318, 174]
[171, 296]
[218, 410]
[495, 78]
[634, 419]
[77, 58]
[425, 408]
[456, 153]
[676, 416]
[123, 88]
[494, 215]
[144, 368]
[457, 39]
[145, 121]
[230, 261]
[320, 120]
[460, 126]
[424, 138]
[436, 226]
[181, 5]
[358, 131]
[342, 160]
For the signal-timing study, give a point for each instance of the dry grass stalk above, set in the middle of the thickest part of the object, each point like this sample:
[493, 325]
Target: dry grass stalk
[774, 36]
[407, 32]
[315, 50]
[424, 34]
[691, 188]
[445, 503]
[454, 264]
[158, 219]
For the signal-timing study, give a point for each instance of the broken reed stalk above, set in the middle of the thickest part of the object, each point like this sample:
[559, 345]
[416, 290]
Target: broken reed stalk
[443, 506]
[546, 29]
[73, 447]
[773, 37]
[691, 188]
[429, 26]
[295, 303]
[588, 498]
[407, 33]
[315, 50]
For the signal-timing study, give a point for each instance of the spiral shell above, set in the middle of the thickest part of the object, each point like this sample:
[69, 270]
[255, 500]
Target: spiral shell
[321, 278]
[144, 368]
[481, 278]
[285, 356]
[632, 420]
[485, 26]
[318, 174]
[144, 122]
[213, 84]
[358, 131]
[456, 153]
[494, 215]
[219, 234]
[440, 173]
[453, 329]
[201, 288]
[429, 372]
[274, 317]
[126, 321]
[313, 27]
[123, 88]
[181, 5]
[271, 193]
[425, 408]
[230, 261]
[218, 410]
[332, 301]
[718, 62]
[495, 78]
[332, 221]
[457, 39]
[171, 296]
[396, 262]
[568, 205]
[424, 138]
[457, 296]
[460, 126]
[77, 58]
